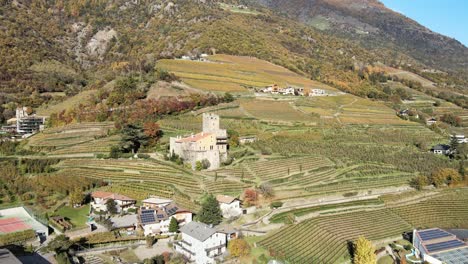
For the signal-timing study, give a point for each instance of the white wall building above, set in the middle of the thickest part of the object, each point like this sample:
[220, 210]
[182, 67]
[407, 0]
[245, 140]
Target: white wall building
[229, 205]
[317, 92]
[156, 220]
[201, 243]
[100, 198]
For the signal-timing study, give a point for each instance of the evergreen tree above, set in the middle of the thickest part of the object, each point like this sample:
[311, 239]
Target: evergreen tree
[364, 252]
[111, 206]
[173, 225]
[453, 144]
[210, 212]
[133, 138]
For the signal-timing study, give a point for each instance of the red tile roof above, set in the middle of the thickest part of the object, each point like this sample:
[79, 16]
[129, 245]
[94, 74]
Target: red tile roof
[109, 195]
[225, 198]
[10, 225]
[194, 138]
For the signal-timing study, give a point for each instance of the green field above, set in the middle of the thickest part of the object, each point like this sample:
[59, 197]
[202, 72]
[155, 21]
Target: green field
[77, 216]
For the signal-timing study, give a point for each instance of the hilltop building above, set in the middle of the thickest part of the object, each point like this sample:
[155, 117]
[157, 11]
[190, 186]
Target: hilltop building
[437, 246]
[209, 145]
[28, 124]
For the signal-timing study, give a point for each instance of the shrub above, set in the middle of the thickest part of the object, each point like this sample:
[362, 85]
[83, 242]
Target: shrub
[238, 247]
[143, 156]
[276, 204]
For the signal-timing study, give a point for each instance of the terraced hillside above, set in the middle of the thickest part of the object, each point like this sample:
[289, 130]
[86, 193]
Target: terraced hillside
[75, 138]
[225, 73]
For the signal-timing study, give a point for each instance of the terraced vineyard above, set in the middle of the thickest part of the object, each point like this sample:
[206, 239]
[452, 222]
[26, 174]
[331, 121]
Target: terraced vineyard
[226, 187]
[331, 234]
[447, 211]
[75, 138]
[145, 177]
[325, 239]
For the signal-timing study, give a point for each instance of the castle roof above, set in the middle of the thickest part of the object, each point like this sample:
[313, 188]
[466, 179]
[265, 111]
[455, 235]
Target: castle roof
[194, 138]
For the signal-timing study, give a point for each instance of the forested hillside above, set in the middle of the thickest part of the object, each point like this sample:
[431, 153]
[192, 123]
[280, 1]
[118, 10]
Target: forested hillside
[56, 48]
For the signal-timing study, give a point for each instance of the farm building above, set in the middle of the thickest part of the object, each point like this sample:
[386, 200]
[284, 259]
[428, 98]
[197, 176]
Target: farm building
[156, 221]
[17, 219]
[210, 145]
[230, 206]
[437, 246]
[441, 149]
[201, 243]
[100, 199]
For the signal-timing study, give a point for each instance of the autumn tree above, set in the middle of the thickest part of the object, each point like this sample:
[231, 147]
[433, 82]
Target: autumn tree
[250, 196]
[210, 212]
[364, 252]
[419, 182]
[445, 176]
[153, 131]
[238, 248]
[76, 197]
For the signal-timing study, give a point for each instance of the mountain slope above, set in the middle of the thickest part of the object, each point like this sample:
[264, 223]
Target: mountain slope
[374, 26]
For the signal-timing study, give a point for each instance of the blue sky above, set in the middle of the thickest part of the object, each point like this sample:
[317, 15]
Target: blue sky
[448, 17]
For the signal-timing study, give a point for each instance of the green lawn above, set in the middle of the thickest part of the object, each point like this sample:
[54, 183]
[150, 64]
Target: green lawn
[77, 216]
[385, 260]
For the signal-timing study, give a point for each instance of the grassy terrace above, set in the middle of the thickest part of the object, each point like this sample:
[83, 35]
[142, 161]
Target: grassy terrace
[75, 138]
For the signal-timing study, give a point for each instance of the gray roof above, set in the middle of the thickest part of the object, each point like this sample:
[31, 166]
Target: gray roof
[199, 231]
[6, 257]
[124, 221]
[441, 147]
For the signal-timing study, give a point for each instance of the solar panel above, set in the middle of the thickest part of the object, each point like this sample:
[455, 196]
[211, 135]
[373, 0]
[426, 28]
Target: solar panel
[147, 212]
[445, 245]
[433, 234]
[149, 219]
[160, 216]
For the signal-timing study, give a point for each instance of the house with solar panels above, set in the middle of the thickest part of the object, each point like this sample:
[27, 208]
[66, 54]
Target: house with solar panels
[437, 246]
[156, 220]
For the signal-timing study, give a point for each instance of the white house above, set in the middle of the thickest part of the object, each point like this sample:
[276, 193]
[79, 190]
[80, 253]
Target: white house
[460, 138]
[441, 149]
[156, 220]
[100, 198]
[431, 121]
[229, 205]
[317, 92]
[201, 243]
[437, 246]
[287, 91]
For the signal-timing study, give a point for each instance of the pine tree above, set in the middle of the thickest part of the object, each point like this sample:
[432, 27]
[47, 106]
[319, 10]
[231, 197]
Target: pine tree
[364, 252]
[210, 212]
[173, 225]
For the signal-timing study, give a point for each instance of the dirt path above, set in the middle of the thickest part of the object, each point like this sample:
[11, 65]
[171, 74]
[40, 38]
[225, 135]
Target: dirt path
[338, 112]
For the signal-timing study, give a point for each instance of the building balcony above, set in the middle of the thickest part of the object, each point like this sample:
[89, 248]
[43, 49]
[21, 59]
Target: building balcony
[181, 246]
